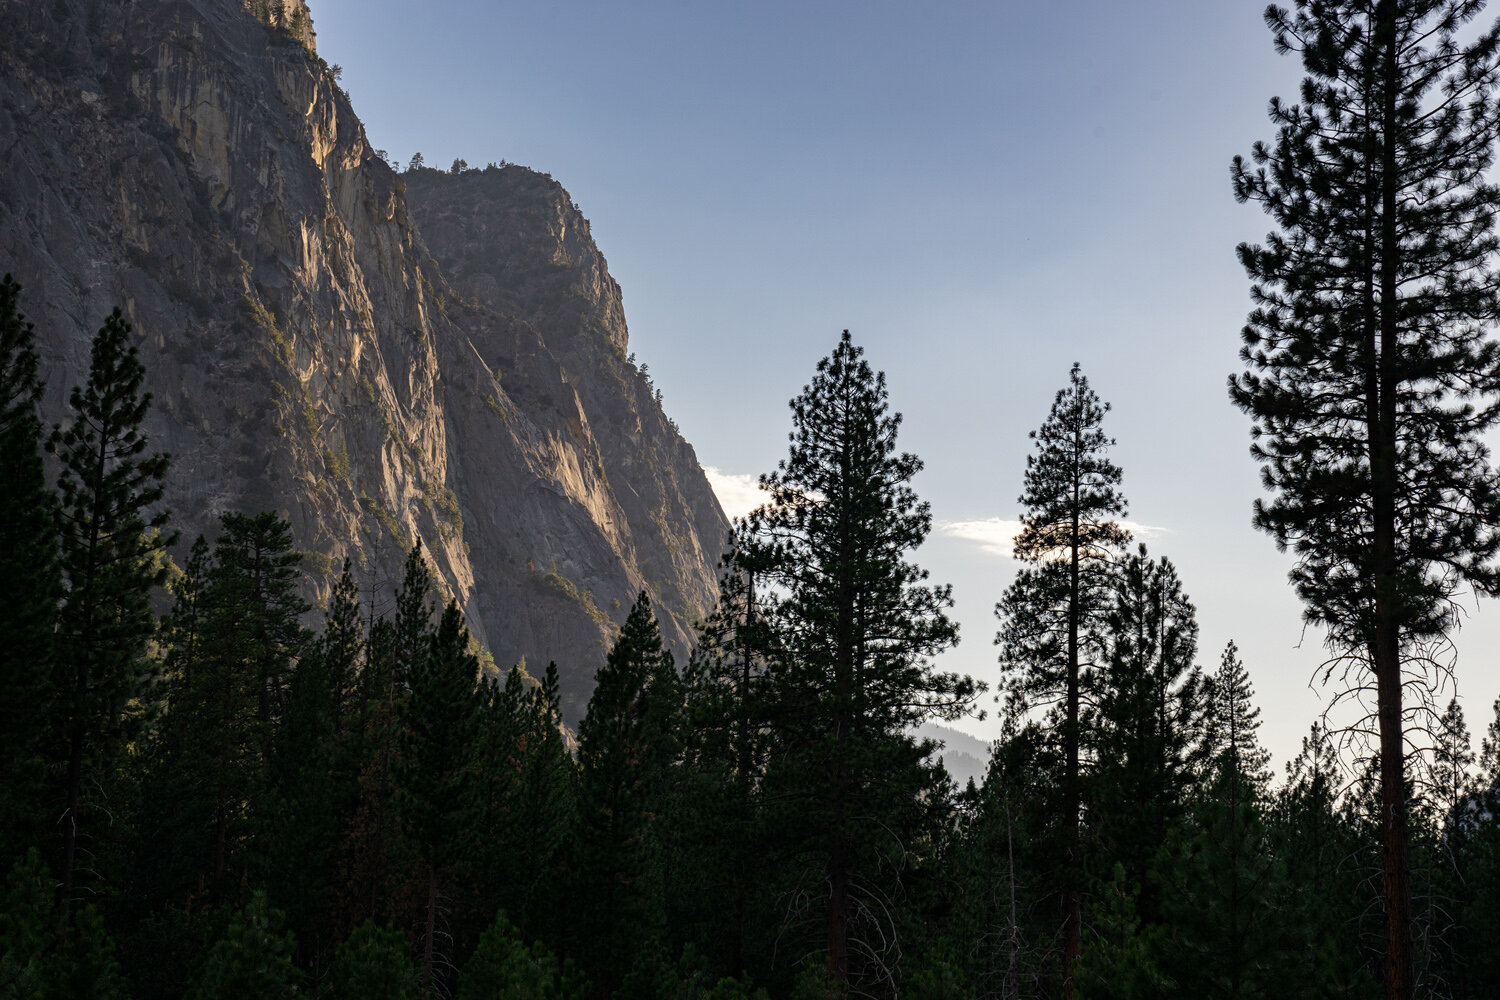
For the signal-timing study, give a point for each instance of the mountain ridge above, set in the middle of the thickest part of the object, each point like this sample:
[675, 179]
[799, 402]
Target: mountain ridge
[199, 166]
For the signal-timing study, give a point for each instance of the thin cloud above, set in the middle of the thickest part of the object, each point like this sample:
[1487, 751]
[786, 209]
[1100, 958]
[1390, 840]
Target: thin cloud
[738, 493]
[996, 536]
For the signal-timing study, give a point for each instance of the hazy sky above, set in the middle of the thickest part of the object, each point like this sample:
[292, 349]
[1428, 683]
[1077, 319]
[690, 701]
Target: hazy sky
[983, 193]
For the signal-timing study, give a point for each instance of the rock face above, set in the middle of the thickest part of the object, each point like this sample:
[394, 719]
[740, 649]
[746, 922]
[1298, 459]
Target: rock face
[195, 162]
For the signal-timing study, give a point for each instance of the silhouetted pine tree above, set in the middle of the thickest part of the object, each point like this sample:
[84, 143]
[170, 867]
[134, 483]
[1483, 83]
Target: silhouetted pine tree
[1372, 380]
[855, 625]
[626, 749]
[1007, 865]
[1231, 743]
[1147, 722]
[717, 826]
[1229, 911]
[526, 781]
[111, 541]
[29, 585]
[1439, 885]
[1473, 835]
[174, 845]
[314, 779]
[435, 793]
[1320, 842]
[1051, 615]
[376, 853]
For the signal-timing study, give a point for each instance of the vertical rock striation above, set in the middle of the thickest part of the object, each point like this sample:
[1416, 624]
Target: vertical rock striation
[195, 162]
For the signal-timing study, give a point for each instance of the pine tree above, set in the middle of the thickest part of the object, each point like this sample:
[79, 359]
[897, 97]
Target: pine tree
[1227, 901]
[173, 848]
[110, 531]
[1474, 834]
[525, 779]
[434, 786]
[544, 812]
[253, 961]
[1443, 795]
[1051, 614]
[718, 825]
[34, 963]
[29, 583]
[1007, 864]
[314, 777]
[1232, 745]
[503, 967]
[1489, 754]
[1147, 719]
[394, 646]
[1316, 835]
[626, 748]
[372, 964]
[1449, 783]
[856, 625]
[255, 580]
[1371, 379]
[212, 767]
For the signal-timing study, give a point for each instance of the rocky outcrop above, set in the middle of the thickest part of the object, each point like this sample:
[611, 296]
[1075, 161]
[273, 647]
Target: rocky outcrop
[196, 163]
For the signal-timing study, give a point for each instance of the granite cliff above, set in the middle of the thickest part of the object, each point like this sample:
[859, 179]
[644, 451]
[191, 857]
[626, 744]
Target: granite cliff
[381, 357]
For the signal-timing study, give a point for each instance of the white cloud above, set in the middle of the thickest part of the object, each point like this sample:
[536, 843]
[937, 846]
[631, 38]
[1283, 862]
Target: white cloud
[996, 535]
[738, 493]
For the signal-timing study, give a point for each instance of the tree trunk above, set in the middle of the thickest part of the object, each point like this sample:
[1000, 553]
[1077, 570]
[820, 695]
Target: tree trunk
[1072, 892]
[1386, 649]
[70, 828]
[432, 901]
[838, 921]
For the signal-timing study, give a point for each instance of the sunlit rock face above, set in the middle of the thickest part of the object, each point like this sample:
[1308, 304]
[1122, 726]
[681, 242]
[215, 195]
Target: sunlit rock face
[382, 358]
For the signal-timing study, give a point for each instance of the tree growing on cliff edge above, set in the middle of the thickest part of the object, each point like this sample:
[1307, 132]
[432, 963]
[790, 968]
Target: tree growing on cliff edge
[856, 625]
[1370, 381]
[1051, 616]
[111, 540]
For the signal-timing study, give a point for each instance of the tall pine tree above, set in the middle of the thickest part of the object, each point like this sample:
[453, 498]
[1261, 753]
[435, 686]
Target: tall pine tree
[29, 582]
[434, 784]
[110, 488]
[626, 748]
[856, 625]
[1371, 380]
[1051, 616]
[1148, 716]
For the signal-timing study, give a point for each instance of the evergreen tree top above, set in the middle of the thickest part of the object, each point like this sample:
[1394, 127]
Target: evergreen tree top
[1234, 720]
[1071, 491]
[20, 388]
[832, 542]
[1367, 350]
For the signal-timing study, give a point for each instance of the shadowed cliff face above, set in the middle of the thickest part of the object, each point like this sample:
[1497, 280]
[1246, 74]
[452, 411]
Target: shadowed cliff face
[199, 167]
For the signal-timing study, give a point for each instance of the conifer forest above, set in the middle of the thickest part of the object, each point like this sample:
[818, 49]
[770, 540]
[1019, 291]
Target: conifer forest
[215, 787]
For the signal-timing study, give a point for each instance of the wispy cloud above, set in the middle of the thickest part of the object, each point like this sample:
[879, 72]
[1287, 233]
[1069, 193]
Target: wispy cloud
[996, 536]
[738, 493]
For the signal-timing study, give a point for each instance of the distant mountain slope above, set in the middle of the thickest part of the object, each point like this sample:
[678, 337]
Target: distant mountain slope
[963, 755]
[194, 162]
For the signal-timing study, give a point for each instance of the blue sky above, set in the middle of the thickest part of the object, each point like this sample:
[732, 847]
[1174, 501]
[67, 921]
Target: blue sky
[982, 193]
